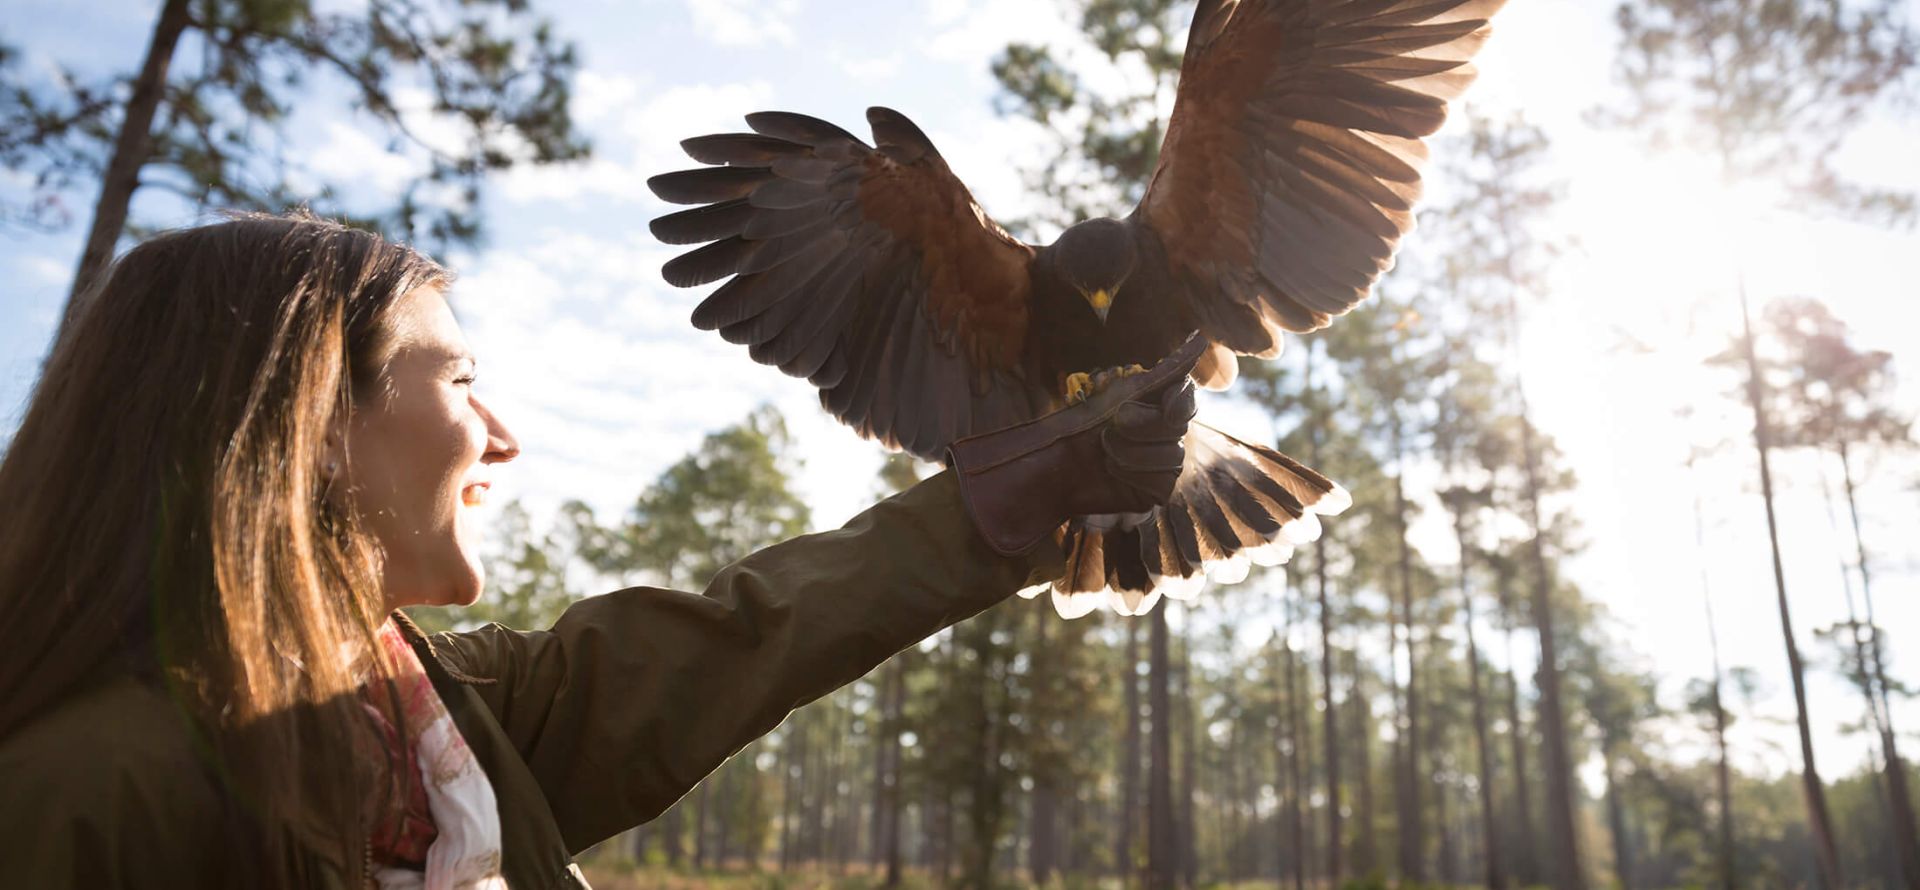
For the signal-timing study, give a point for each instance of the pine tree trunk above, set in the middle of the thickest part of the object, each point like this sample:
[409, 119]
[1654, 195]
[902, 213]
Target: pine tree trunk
[792, 757]
[1129, 761]
[1189, 856]
[1729, 879]
[1526, 872]
[1043, 817]
[1161, 867]
[1819, 825]
[1723, 770]
[1295, 841]
[1335, 870]
[700, 826]
[721, 823]
[1494, 864]
[1233, 835]
[1905, 827]
[1617, 822]
[1568, 873]
[896, 710]
[670, 834]
[1412, 814]
[1366, 851]
[131, 150]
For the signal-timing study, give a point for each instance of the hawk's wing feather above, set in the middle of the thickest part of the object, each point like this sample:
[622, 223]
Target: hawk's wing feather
[1292, 160]
[870, 271]
[1236, 504]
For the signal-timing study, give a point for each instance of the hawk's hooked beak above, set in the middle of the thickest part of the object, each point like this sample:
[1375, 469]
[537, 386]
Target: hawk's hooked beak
[1101, 301]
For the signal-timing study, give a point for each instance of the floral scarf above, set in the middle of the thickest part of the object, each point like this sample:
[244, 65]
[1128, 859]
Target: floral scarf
[448, 835]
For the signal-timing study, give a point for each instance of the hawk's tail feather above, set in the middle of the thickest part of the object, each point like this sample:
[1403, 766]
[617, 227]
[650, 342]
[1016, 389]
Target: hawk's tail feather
[1237, 505]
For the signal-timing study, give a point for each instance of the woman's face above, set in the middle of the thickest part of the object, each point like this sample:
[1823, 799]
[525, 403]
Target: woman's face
[418, 457]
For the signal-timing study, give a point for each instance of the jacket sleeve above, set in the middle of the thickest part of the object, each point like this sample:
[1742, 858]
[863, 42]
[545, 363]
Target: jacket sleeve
[634, 696]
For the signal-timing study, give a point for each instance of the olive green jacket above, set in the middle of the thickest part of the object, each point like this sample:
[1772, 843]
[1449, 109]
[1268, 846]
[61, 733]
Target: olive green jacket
[585, 730]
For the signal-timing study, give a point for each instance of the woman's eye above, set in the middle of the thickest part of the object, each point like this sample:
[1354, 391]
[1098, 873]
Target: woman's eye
[464, 381]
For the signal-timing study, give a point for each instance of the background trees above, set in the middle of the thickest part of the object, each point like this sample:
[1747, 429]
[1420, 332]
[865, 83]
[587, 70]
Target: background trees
[1383, 710]
[211, 114]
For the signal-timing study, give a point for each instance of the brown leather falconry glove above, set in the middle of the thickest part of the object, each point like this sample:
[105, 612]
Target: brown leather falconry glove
[1117, 452]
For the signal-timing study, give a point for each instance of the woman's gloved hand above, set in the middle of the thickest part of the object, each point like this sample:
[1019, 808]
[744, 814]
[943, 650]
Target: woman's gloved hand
[1119, 451]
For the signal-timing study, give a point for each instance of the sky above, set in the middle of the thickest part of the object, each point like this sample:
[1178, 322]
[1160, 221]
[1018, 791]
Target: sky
[591, 360]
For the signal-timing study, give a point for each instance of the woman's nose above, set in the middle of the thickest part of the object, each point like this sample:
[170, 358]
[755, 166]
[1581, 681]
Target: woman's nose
[501, 445]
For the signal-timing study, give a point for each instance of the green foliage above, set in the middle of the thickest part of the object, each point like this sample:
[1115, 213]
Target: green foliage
[728, 498]
[496, 77]
[1106, 145]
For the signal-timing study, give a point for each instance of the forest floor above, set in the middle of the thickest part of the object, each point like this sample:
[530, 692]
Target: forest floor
[613, 874]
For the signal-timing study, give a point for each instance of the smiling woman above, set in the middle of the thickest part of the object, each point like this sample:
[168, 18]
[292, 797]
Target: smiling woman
[260, 438]
[418, 458]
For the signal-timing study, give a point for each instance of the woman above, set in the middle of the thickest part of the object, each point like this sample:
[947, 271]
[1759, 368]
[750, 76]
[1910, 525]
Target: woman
[259, 440]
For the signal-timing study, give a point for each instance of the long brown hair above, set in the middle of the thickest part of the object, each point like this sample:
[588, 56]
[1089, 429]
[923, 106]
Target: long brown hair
[163, 509]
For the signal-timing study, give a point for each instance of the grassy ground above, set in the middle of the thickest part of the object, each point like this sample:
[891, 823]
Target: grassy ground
[612, 874]
[627, 876]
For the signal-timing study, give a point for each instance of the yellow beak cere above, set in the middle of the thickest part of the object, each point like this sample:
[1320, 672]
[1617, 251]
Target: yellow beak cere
[1101, 301]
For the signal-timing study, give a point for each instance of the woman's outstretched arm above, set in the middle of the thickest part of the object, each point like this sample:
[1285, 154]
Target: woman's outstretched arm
[634, 696]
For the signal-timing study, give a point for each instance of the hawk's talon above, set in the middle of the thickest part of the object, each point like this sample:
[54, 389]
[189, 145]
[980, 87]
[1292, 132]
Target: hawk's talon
[1079, 387]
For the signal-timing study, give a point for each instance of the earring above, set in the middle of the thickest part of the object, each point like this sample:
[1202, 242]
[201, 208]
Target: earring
[332, 467]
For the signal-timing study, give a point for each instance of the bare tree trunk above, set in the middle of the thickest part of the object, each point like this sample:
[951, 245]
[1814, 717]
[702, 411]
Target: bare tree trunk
[1526, 872]
[130, 152]
[1568, 872]
[1330, 715]
[1729, 879]
[1617, 822]
[1366, 853]
[724, 777]
[1295, 840]
[1820, 826]
[1412, 813]
[1232, 834]
[1494, 865]
[1129, 761]
[700, 825]
[1161, 867]
[1189, 855]
[1905, 827]
[889, 840]
[1723, 769]
[670, 833]
[1043, 818]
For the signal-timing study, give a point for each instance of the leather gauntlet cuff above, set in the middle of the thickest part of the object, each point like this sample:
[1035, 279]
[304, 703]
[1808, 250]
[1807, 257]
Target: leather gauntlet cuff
[1011, 482]
[1021, 483]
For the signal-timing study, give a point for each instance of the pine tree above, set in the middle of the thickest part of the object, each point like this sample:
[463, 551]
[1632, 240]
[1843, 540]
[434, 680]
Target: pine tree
[220, 74]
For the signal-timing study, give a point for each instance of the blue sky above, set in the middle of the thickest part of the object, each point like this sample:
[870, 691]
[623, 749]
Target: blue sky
[590, 358]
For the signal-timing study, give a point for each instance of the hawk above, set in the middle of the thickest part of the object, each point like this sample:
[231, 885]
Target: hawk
[1287, 177]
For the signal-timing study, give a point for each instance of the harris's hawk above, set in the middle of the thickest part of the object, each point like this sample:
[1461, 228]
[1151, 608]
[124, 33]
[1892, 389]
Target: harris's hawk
[1288, 175]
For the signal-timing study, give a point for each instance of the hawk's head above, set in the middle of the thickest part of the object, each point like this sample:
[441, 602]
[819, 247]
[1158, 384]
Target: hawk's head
[1095, 257]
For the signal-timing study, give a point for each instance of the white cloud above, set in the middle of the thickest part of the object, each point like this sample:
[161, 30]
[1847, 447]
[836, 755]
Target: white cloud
[45, 271]
[349, 155]
[638, 140]
[744, 22]
[597, 95]
[867, 68]
[973, 31]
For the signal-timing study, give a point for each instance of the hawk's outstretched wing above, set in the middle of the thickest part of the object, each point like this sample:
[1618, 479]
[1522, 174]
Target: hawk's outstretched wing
[1292, 160]
[869, 271]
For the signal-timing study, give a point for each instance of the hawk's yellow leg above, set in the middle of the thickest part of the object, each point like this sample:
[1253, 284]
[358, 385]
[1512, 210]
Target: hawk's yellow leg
[1080, 385]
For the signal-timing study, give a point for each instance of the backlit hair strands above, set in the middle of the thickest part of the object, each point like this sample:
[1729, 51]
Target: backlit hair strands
[164, 511]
